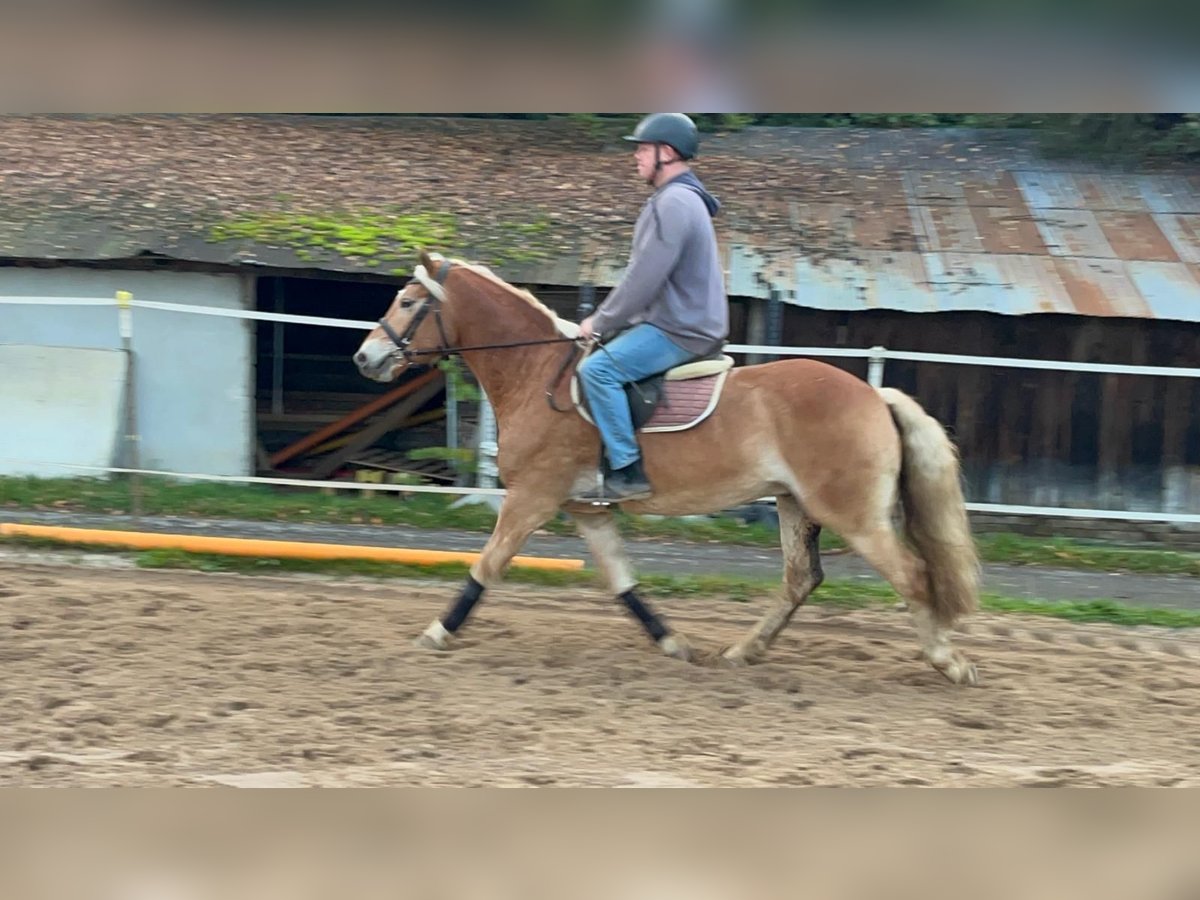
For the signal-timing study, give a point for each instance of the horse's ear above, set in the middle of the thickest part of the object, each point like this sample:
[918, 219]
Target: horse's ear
[427, 261]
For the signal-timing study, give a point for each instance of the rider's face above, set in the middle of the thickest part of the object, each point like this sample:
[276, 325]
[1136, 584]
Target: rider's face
[645, 161]
[645, 157]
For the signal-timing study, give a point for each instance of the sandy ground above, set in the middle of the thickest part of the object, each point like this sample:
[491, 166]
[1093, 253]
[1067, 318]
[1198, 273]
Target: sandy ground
[118, 676]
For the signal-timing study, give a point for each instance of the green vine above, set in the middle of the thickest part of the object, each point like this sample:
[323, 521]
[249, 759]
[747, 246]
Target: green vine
[371, 237]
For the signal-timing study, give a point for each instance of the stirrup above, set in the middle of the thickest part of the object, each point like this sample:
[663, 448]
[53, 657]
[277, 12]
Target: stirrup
[606, 496]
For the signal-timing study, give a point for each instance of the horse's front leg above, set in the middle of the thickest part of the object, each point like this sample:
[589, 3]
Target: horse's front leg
[599, 529]
[520, 515]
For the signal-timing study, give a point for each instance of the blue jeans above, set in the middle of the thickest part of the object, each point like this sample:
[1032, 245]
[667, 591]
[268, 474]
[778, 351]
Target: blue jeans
[638, 353]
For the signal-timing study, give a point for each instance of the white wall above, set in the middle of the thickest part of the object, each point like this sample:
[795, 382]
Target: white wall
[194, 374]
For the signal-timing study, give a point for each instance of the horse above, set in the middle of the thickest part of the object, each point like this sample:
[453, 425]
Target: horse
[834, 451]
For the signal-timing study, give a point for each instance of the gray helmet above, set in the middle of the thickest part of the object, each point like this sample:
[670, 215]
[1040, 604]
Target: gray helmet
[675, 129]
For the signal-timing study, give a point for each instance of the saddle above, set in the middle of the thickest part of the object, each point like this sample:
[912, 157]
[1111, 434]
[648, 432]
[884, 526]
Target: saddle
[676, 400]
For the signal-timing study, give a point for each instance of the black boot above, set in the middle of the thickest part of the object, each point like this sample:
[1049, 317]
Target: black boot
[628, 483]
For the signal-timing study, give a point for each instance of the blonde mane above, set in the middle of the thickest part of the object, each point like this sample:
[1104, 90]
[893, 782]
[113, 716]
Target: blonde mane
[565, 327]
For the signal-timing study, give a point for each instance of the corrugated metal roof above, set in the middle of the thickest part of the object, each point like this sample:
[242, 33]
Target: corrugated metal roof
[1012, 242]
[1183, 232]
[1073, 232]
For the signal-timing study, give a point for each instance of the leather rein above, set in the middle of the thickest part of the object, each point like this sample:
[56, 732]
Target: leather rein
[433, 303]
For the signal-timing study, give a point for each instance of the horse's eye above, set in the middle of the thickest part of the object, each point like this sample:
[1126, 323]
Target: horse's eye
[405, 304]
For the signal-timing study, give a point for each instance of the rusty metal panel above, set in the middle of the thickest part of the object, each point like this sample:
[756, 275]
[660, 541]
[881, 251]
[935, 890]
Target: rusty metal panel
[993, 189]
[1135, 236]
[823, 229]
[1073, 232]
[897, 281]
[1007, 230]
[879, 188]
[1101, 287]
[832, 284]
[1050, 190]
[1183, 231]
[1170, 194]
[949, 228]
[1112, 192]
[968, 282]
[934, 188]
[744, 276]
[1011, 285]
[1168, 288]
[886, 228]
[1035, 285]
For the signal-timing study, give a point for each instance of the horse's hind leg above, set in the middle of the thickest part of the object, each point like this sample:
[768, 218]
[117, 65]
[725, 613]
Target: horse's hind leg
[799, 536]
[520, 515]
[599, 529]
[907, 574]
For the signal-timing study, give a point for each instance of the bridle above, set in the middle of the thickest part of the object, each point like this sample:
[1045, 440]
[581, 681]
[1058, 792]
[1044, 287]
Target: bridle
[433, 303]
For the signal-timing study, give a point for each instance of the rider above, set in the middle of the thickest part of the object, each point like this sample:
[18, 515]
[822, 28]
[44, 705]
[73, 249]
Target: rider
[670, 305]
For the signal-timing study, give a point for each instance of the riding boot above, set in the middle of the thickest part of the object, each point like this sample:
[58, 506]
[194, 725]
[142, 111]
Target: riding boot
[627, 483]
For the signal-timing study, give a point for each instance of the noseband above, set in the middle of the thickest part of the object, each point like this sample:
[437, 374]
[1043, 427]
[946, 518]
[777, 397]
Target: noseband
[432, 303]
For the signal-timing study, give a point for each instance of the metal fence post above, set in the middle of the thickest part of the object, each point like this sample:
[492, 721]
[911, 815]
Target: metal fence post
[486, 470]
[133, 456]
[774, 329]
[875, 366]
[587, 301]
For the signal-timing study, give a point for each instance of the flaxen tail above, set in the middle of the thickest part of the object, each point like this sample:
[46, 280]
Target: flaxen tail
[934, 511]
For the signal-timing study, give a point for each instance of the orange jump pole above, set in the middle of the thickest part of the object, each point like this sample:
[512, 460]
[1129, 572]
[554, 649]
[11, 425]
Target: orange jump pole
[141, 540]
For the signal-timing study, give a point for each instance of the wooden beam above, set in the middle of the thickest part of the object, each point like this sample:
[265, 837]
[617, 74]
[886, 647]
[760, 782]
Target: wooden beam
[367, 409]
[373, 432]
[1176, 417]
[420, 419]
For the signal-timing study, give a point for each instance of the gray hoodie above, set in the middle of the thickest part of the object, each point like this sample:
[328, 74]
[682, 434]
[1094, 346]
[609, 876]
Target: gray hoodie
[674, 279]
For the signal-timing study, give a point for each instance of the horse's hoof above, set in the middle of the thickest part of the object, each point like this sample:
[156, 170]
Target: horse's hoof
[732, 662]
[435, 637]
[959, 670]
[676, 647]
[738, 657]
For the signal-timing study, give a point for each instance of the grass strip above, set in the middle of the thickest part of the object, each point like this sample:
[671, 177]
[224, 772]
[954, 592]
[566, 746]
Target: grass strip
[304, 506]
[841, 593]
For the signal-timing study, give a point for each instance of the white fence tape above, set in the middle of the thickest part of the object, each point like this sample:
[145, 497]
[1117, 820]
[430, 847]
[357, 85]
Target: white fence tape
[875, 353]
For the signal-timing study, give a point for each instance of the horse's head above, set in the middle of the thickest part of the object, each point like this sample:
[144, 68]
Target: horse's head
[412, 323]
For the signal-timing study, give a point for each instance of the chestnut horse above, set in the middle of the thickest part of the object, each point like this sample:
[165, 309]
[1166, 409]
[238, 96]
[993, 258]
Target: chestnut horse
[834, 451]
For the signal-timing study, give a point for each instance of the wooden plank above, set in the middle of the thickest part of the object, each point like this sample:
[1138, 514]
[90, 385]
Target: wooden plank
[1176, 415]
[1045, 441]
[367, 409]
[420, 419]
[1115, 424]
[373, 432]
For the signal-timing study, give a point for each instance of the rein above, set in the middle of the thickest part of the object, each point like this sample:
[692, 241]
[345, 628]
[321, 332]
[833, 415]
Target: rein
[437, 295]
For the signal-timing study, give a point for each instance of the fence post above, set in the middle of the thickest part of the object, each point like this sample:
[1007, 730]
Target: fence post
[774, 329]
[133, 455]
[486, 470]
[587, 301]
[875, 366]
[452, 409]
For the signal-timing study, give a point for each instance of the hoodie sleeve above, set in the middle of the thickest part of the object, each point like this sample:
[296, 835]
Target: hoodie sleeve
[654, 257]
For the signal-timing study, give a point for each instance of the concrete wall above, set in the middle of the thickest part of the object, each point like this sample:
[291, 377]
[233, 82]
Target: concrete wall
[193, 374]
[71, 414]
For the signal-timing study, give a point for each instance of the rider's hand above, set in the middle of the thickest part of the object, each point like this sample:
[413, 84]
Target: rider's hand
[585, 329]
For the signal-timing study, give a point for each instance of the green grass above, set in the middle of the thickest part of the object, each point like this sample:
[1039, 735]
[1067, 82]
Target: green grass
[266, 503]
[838, 593]
[301, 505]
